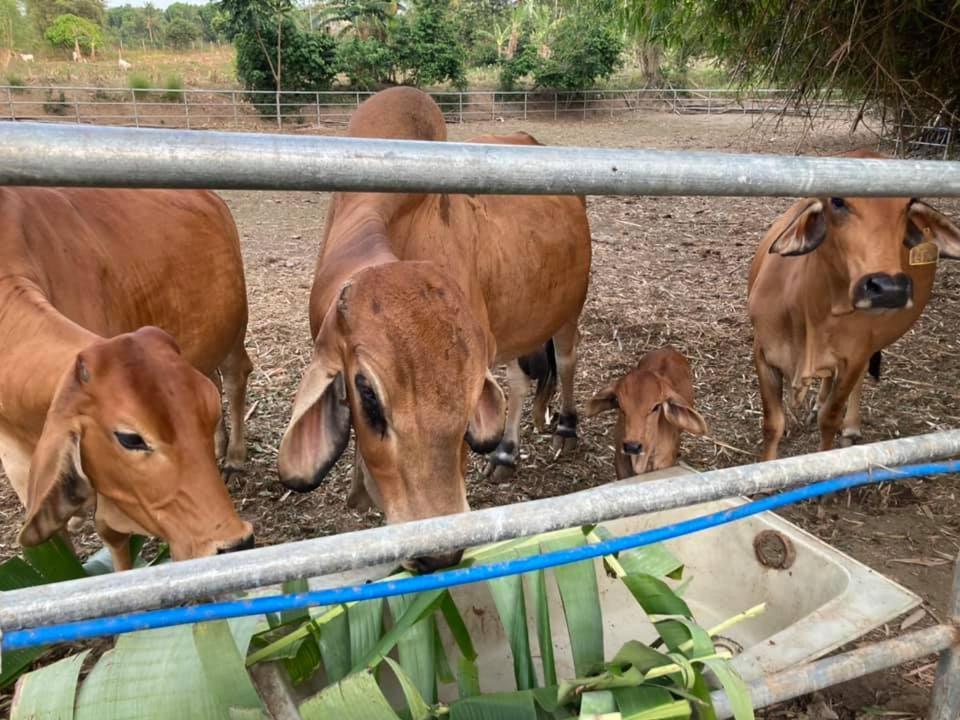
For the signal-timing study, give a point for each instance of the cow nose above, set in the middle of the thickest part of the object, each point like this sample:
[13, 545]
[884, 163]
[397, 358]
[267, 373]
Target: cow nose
[242, 544]
[880, 290]
[631, 448]
[429, 563]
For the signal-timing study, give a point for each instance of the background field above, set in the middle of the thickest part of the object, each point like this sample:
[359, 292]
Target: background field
[666, 270]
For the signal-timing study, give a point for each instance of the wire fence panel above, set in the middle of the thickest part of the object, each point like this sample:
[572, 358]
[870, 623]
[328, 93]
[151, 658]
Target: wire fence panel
[247, 109]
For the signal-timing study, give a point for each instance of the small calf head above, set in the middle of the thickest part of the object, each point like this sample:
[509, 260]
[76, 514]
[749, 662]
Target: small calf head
[402, 359]
[652, 414]
[868, 241]
[134, 422]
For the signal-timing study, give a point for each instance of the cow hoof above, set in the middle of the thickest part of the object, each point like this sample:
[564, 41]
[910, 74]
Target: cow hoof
[231, 470]
[359, 502]
[564, 443]
[500, 473]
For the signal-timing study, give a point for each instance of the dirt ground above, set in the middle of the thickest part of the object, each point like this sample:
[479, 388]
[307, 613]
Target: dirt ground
[665, 270]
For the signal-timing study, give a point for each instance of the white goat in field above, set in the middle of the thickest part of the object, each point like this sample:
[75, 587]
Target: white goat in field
[121, 63]
[26, 57]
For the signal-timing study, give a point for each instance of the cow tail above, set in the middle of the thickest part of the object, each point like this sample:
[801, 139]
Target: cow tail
[542, 367]
[874, 367]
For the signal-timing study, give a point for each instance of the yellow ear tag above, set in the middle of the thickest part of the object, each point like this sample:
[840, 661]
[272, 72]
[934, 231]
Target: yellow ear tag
[926, 253]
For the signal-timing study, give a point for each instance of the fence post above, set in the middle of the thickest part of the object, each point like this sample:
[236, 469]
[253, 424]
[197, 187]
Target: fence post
[493, 106]
[524, 104]
[317, 100]
[76, 105]
[186, 108]
[358, 98]
[136, 113]
[10, 102]
[945, 702]
[460, 100]
[233, 101]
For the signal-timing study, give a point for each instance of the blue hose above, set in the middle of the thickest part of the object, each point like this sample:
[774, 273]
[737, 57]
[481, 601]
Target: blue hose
[132, 622]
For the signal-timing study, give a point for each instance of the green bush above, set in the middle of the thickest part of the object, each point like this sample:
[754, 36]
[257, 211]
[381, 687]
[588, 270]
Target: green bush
[367, 63]
[174, 89]
[56, 106]
[583, 51]
[181, 33]
[16, 84]
[427, 47]
[140, 84]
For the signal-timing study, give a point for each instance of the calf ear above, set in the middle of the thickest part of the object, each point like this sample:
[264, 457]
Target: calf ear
[930, 223]
[804, 233]
[683, 417]
[319, 428]
[604, 401]
[58, 487]
[486, 427]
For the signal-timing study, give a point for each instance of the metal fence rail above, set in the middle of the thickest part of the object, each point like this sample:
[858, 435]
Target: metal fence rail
[42, 154]
[251, 109]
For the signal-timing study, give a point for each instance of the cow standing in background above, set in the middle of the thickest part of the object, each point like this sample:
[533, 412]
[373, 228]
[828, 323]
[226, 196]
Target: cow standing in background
[414, 298]
[834, 281]
[116, 309]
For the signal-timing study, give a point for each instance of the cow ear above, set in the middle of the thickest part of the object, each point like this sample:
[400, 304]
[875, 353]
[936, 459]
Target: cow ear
[804, 234]
[486, 426]
[58, 486]
[679, 414]
[604, 401]
[319, 428]
[930, 223]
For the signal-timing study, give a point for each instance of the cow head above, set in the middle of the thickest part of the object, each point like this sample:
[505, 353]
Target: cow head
[867, 242]
[133, 421]
[651, 413]
[401, 355]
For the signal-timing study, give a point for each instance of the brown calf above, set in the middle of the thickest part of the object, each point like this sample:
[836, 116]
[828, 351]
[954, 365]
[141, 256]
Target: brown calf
[95, 408]
[654, 404]
[834, 281]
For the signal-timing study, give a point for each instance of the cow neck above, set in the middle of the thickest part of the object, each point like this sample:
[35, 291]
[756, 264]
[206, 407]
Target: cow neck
[37, 346]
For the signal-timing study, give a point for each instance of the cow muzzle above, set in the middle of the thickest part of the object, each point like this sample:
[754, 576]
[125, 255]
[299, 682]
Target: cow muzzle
[881, 291]
[430, 563]
[244, 543]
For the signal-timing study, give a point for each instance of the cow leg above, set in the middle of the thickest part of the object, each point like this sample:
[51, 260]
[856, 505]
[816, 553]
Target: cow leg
[220, 434]
[826, 385]
[118, 543]
[831, 414]
[565, 342]
[502, 462]
[851, 433]
[236, 369]
[770, 380]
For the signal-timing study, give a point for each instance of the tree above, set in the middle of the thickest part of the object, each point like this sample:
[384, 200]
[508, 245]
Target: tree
[427, 46]
[15, 30]
[181, 33]
[42, 13]
[214, 22]
[152, 20]
[582, 51]
[68, 31]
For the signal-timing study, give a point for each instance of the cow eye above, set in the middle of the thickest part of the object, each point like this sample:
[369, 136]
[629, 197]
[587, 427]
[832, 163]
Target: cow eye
[370, 404]
[838, 203]
[131, 441]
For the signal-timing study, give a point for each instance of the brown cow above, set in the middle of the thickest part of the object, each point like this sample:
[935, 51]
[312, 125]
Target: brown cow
[654, 404]
[414, 298]
[96, 406]
[834, 281]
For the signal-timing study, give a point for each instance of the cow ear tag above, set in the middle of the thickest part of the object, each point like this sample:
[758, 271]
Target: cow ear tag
[927, 252]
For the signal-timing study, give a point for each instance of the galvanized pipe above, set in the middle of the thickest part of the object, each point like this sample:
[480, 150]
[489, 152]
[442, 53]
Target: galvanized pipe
[841, 668]
[45, 154]
[945, 703]
[181, 582]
